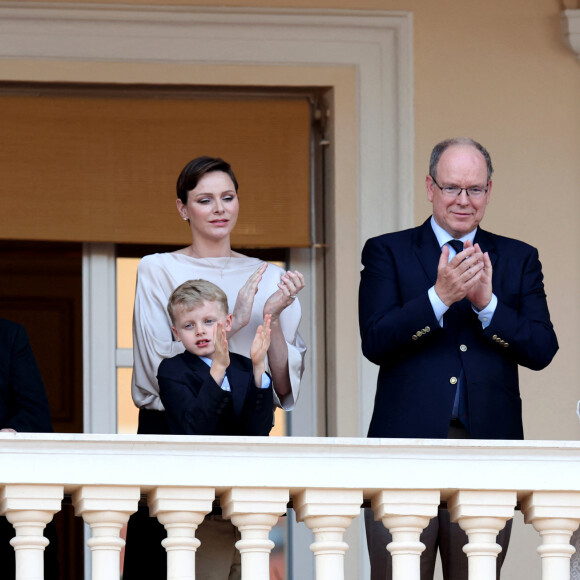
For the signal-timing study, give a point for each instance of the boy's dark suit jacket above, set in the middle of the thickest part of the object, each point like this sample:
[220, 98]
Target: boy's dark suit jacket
[418, 358]
[196, 405]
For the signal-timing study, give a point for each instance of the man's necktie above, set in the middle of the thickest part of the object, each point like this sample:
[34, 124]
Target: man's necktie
[461, 394]
[457, 245]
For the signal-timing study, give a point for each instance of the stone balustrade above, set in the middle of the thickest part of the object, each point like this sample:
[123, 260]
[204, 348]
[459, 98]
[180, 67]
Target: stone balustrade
[325, 480]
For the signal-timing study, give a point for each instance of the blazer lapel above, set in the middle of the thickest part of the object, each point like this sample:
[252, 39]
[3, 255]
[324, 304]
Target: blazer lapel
[487, 244]
[238, 377]
[196, 365]
[241, 380]
[427, 250]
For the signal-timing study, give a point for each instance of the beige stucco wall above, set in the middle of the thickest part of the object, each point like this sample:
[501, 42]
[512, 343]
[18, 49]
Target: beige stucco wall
[500, 72]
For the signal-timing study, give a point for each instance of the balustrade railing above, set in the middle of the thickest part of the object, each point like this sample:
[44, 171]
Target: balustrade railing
[326, 481]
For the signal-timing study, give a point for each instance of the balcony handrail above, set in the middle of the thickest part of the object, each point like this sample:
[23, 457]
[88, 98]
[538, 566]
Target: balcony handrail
[290, 462]
[327, 480]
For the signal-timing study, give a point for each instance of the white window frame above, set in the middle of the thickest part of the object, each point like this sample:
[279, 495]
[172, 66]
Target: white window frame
[99, 339]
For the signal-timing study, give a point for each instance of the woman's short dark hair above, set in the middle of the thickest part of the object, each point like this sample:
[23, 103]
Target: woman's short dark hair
[196, 169]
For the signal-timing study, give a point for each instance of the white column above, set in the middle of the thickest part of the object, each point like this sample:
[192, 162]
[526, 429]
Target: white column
[555, 515]
[180, 510]
[106, 509]
[254, 511]
[406, 513]
[482, 514]
[29, 508]
[328, 512]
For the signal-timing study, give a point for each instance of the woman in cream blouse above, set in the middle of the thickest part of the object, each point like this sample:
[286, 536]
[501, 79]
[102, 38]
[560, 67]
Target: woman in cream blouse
[207, 199]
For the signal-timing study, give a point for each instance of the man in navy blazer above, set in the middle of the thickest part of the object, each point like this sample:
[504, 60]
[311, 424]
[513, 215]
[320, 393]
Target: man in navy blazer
[449, 311]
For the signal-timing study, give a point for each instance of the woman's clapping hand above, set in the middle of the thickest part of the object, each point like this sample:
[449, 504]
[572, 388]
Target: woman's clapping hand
[291, 283]
[245, 300]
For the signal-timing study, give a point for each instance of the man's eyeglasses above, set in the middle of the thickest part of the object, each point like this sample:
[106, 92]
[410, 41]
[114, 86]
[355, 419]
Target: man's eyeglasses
[475, 191]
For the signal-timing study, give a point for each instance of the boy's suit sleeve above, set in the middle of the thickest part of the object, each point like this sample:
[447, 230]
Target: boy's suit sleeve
[253, 406]
[258, 414]
[193, 406]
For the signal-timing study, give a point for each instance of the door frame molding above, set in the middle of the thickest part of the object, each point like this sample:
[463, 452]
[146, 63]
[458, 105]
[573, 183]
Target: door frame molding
[99, 338]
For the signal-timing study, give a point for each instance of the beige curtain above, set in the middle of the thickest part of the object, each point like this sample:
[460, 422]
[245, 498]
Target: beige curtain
[102, 168]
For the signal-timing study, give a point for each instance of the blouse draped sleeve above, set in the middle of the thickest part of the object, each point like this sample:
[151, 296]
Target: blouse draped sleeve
[290, 319]
[152, 337]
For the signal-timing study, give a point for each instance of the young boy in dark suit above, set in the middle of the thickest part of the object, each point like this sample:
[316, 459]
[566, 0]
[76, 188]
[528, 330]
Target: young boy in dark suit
[208, 390]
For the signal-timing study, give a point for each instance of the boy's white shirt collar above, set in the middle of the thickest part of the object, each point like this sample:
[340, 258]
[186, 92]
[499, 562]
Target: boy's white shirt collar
[207, 361]
[225, 386]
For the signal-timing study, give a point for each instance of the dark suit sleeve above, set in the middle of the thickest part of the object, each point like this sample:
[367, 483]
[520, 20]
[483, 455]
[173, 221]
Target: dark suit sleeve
[258, 411]
[193, 403]
[521, 326]
[24, 397]
[393, 304]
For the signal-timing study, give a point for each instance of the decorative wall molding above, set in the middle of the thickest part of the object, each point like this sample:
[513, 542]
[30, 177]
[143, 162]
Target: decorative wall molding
[571, 29]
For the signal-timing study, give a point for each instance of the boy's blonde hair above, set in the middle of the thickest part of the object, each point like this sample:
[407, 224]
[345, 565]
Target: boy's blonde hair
[193, 293]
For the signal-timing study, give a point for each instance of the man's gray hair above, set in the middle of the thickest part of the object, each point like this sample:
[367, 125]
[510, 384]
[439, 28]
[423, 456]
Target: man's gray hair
[444, 145]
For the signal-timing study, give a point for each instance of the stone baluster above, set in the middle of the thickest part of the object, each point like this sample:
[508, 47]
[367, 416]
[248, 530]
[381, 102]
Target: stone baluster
[254, 511]
[406, 513]
[555, 515]
[106, 508]
[328, 512]
[180, 510]
[29, 508]
[482, 514]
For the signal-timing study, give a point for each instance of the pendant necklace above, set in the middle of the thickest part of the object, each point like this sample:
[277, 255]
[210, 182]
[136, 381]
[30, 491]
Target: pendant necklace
[207, 261]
